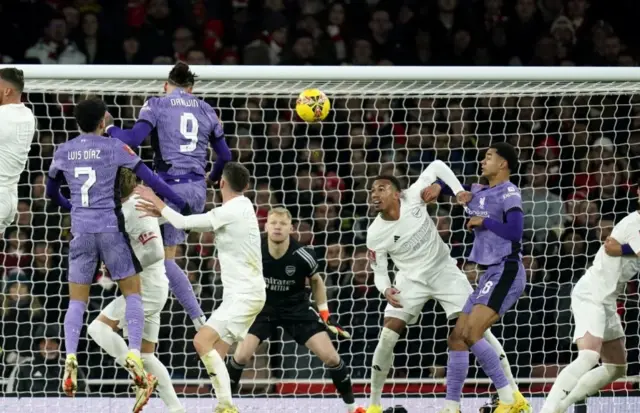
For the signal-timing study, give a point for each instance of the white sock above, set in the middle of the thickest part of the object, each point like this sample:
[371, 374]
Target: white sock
[165, 388]
[109, 341]
[504, 361]
[591, 382]
[382, 362]
[351, 407]
[219, 377]
[568, 378]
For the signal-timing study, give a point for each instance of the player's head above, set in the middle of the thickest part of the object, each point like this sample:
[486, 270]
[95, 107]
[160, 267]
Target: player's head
[385, 192]
[90, 115]
[11, 85]
[279, 226]
[181, 77]
[127, 181]
[235, 177]
[501, 159]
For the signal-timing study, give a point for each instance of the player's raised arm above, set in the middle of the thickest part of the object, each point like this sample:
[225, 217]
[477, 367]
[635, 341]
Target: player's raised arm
[219, 145]
[631, 240]
[437, 178]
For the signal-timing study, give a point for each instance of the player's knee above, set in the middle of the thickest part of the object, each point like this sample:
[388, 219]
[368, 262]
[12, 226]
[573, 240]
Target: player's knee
[330, 358]
[242, 355]
[470, 335]
[202, 344]
[94, 329]
[455, 341]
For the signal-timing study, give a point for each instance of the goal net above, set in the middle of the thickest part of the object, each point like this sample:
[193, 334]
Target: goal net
[578, 135]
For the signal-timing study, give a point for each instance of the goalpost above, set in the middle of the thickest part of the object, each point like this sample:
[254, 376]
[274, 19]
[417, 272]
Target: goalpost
[578, 132]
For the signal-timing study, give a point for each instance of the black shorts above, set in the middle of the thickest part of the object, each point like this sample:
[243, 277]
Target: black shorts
[301, 326]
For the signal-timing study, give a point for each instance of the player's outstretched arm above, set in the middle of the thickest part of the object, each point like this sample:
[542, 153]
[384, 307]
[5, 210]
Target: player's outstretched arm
[154, 206]
[223, 155]
[613, 248]
[132, 137]
[158, 185]
[319, 292]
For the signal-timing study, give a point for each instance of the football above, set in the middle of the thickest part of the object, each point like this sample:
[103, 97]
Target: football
[312, 105]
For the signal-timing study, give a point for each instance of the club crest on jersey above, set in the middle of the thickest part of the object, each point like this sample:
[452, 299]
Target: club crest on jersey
[481, 203]
[417, 212]
[290, 270]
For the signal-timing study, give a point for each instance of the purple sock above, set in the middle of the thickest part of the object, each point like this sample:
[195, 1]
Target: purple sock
[134, 315]
[457, 369]
[73, 321]
[490, 363]
[181, 287]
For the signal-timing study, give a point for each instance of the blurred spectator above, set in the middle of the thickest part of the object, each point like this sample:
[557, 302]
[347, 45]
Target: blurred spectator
[55, 46]
[41, 376]
[543, 209]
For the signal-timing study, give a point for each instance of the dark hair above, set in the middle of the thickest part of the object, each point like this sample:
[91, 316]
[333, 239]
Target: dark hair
[395, 182]
[127, 181]
[509, 154]
[181, 75]
[89, 113]
[13, 76]
[237, 176]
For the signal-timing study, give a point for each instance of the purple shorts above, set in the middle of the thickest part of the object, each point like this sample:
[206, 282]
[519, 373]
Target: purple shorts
[87, 251]
[500, 287]
[195, 194]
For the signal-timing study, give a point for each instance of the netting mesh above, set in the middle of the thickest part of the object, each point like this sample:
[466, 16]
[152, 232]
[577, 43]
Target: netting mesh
[578, 143]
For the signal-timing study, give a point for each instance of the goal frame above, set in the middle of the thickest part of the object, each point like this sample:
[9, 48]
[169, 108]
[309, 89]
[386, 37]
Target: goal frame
[445, 80]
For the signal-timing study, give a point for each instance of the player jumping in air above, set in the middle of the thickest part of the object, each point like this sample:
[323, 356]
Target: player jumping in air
[181, 128]
[497, 220]
[237, 239]
[287, 265]
[89, 164]
[146, 241]
[17, 127]
[404, 232]
[599, 334]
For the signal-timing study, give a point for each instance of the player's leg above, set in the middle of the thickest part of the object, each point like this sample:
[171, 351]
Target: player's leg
[103, 330]
[614, 366]
[165, 388]
[452, 290]
[320, 344]
[179, 283]
[229, 323]
[498, 290]
[260, 330]
[590, 324]
[83, 264]
[124, 267]
[383, 357]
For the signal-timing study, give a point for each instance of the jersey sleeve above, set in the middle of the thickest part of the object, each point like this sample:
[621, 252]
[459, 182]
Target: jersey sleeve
[55, 168]
[125, 156]
[632, 237]
[308, 255]
[436, 171]
[217, 130]
[221, 216]
[511, 199]
[148, 112]
[379, 263]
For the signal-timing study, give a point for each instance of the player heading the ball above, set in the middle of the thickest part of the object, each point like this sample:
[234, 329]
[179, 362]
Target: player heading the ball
[237, 239]
[287, 265]
[497, 221]
[17, 128]
[599, 333]
[181, 127]
[89, 164]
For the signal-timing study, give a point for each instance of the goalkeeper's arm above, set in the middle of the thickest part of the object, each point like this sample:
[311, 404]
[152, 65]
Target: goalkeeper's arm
[319, 292]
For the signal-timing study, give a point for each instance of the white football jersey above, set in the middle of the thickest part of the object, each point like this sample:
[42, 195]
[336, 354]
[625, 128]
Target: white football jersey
[412, 241]
[607, 277]
[237, 240]
[17, 127]
[146, 241]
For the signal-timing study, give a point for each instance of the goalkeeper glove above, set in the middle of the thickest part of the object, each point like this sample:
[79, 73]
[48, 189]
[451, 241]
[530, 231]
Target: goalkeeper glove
[333, 328]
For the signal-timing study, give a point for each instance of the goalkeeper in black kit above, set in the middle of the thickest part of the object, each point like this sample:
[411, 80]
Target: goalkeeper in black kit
[287, 265]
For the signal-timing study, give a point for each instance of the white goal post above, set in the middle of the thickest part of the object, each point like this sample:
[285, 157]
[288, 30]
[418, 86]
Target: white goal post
[391, 119]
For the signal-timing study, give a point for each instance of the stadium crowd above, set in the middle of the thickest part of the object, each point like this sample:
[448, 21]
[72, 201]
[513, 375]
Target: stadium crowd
[579, 162]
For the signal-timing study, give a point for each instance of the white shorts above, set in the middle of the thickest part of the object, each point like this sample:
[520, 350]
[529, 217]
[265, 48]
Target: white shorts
[447, 285]
[233, 318]
[8, 209]
[596, 318]
[153, 302]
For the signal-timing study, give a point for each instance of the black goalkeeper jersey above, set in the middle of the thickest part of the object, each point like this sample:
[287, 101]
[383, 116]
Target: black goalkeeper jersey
[286, 277]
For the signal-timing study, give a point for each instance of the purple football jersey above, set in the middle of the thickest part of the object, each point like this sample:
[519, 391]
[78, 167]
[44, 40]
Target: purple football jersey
[183, 125]
[90, 166]
[489, 248]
